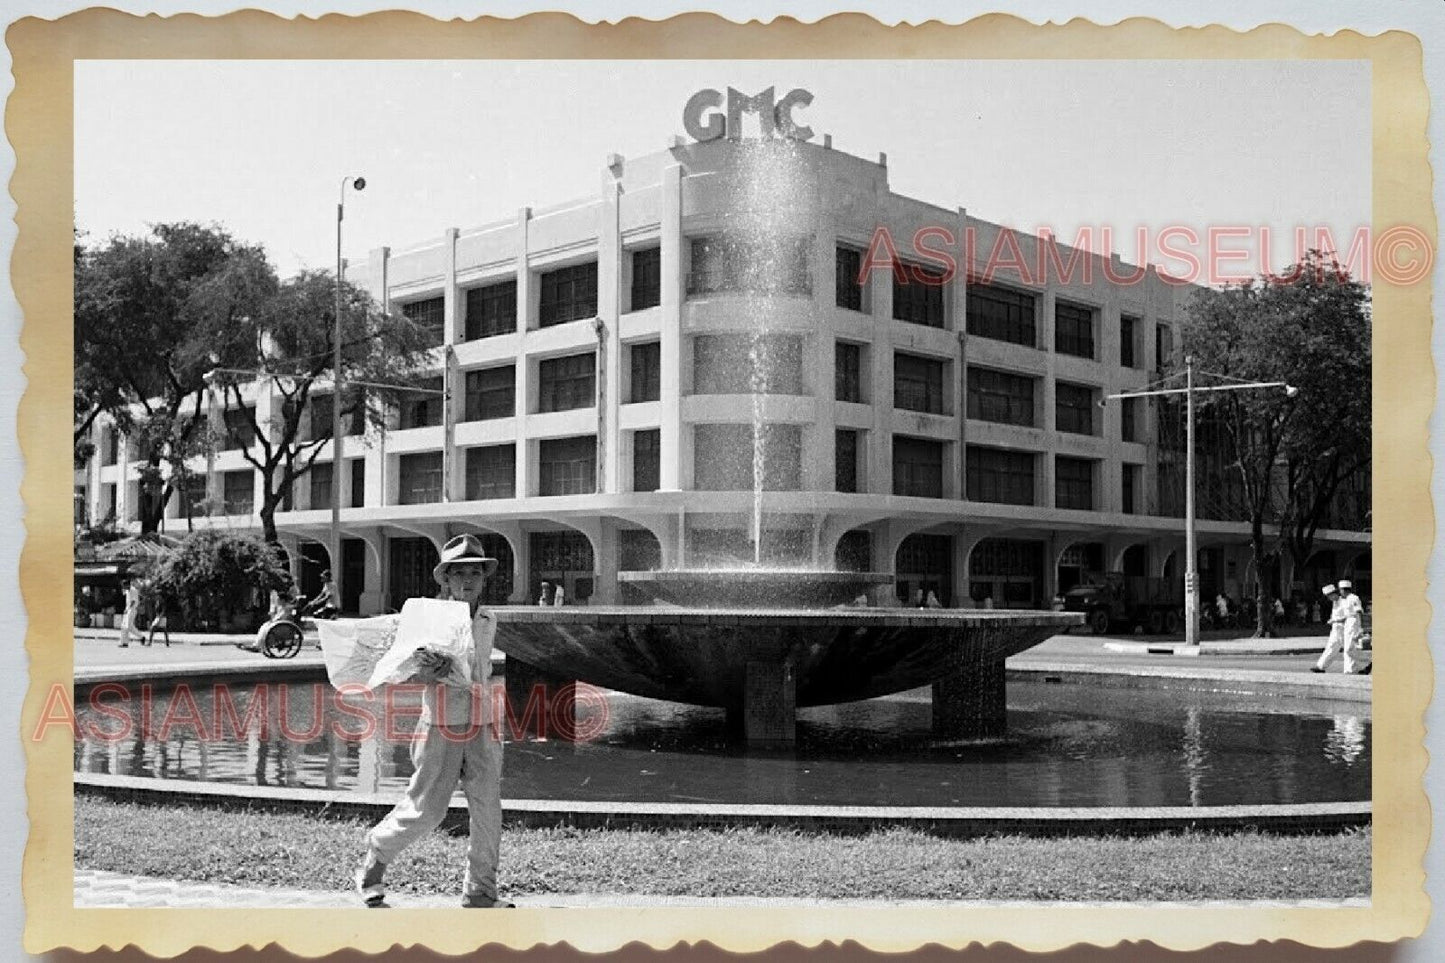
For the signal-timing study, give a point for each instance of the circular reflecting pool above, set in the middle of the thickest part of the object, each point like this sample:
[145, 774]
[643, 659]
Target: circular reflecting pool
[1068, 745]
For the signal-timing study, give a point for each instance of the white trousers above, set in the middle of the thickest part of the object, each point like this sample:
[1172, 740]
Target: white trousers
[1346, 643]
[442, 759]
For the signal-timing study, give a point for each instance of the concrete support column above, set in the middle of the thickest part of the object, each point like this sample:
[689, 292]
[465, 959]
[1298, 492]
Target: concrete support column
[521, 569]
[820, 357]
[609, 346]
[452, 332]
[958, 312]
[1044, 496]
[880, 392]
[604, 564]
[524, 365]
[673, 266]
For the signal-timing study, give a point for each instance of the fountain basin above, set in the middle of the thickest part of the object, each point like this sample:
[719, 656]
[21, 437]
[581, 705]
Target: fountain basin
[701, 656]
[752, 589]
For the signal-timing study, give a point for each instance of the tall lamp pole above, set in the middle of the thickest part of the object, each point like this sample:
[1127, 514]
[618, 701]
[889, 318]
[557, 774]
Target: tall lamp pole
[335, 547]
[1191, 575]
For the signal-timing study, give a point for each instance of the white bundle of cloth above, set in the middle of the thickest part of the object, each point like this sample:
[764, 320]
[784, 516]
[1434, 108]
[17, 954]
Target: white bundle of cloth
[384, 650]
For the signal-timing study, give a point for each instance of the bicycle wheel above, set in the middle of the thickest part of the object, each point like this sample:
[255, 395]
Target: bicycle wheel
[283, 641]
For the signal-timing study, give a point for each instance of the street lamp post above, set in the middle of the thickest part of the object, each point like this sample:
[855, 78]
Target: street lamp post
[335, 547]
[1191, 576]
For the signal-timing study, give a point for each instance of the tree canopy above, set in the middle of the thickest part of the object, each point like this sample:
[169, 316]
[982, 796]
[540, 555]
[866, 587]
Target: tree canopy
[1309, 327]
[143, 309]
[287, 345]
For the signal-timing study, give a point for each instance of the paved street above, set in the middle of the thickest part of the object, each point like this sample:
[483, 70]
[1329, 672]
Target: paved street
[98, 648]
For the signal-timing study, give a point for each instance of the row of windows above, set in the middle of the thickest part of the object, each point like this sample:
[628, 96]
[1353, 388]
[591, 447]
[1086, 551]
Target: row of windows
[780, 265]
[724, 462]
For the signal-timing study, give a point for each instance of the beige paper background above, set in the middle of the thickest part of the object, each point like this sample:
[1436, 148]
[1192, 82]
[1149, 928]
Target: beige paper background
[38, 123]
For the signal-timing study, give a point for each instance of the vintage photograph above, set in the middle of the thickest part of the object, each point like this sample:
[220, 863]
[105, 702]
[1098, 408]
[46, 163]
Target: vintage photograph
[807, 486]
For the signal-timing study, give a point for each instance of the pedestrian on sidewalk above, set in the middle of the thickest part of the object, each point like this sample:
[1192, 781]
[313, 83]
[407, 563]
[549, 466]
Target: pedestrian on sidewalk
[156, 604]
[446, 752]
[1353, 621]
[1339, 641]
[130, 615]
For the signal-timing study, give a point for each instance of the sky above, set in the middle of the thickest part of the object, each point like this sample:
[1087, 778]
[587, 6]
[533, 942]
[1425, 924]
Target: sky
[260, 147]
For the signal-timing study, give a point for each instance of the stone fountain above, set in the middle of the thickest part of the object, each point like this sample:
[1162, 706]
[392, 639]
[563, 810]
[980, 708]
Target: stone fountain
[758, 640]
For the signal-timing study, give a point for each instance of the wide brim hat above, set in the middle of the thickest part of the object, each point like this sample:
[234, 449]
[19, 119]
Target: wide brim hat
[1329, 590]
[463, 548]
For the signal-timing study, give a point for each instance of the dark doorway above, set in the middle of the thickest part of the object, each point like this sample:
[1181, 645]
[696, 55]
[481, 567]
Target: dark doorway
[925, 563]
[561, 558]
[412, 561]
[353, 574]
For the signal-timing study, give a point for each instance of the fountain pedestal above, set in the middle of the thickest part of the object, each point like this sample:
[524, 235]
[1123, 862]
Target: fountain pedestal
[768, 716]
[971, 704]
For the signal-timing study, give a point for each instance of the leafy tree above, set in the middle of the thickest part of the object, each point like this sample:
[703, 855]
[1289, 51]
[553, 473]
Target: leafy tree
[287, 347]
[217, 575]
[143, 309]
[1309, 327]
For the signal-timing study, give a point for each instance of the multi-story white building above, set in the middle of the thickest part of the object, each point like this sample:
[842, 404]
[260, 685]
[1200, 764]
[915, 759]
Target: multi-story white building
[950, 433]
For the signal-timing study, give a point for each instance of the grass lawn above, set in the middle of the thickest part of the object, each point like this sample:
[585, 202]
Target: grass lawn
[314, 852]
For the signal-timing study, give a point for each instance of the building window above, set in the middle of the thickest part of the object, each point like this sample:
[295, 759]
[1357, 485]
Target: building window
[646, 372]
[1073, 483]
[1128, 340]
[567, 466]
[1001, 315]
[320, 485]
[646, 460]
[646, 278]
[422, 409]
[918, 384]
[568, 294]
[491, 472]
[1131, 488]
[318, 420]
[420, 478]
[193, 495]
[491, 393]
[109, 447]
[491, 310]
[1074, 408]
[1073, 329]
[238, 492]
[1163, 346]
[845, 449]
[769, 265]
[1129, 419]
[723, 457]
[917, 467]
[725, 364]
[1000, 476]
[430, 316]
[848, 268]
[358, 482]
[567, 383]
[917, 295]
[848, 372]
[1000, 397]
[240, 427]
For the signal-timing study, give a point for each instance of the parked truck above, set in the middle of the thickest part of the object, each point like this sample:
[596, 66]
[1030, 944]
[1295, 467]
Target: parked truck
[1119, 601]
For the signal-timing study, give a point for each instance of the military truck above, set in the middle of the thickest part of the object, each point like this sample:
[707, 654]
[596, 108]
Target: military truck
[1118, 601]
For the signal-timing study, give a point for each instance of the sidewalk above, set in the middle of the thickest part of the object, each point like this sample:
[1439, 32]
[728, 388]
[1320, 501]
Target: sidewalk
[99, 889]
[188, 638]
